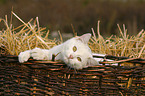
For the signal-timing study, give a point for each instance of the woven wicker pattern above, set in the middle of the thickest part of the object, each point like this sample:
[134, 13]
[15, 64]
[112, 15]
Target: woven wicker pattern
[55, 78]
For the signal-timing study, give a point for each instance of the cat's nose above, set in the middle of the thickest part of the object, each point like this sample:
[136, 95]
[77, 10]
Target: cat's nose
[70, 57]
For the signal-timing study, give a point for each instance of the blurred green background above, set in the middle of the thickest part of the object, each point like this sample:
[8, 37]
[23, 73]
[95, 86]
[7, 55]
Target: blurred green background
[83, 14]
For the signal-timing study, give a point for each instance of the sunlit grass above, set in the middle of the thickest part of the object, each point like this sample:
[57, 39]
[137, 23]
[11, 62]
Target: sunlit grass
[30, 35]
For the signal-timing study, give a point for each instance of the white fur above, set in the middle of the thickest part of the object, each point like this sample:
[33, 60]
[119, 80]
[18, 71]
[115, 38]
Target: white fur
[102, 58]
[64, 51]
[24, 56]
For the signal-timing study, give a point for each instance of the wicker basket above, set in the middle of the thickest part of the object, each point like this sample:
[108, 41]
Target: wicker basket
[54, 78]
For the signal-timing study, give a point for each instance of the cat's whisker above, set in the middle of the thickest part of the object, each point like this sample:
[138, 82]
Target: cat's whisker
[75, 71]
[68, 69]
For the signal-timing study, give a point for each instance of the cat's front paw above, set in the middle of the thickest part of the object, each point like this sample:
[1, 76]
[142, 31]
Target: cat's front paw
[38, 54]
[24, 56]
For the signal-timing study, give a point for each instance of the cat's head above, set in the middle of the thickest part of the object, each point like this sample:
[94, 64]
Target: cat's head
[77, 54]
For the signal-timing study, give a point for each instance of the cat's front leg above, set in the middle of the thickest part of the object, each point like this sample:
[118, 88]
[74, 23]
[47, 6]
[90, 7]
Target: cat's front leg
[24, 56]
[40, 54]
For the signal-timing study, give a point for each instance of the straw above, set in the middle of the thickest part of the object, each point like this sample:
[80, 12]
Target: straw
[29, 35]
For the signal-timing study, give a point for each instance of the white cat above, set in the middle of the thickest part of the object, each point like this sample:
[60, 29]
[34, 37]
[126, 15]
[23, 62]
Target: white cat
[74, 52]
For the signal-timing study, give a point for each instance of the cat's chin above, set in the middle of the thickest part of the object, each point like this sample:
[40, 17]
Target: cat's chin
[72, 64]
[66, 61]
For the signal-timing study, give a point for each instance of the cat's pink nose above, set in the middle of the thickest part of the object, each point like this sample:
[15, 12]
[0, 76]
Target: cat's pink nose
[70, 57]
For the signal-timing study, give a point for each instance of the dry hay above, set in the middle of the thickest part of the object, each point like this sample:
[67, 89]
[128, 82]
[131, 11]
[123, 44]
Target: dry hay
[24, 37]
[29, 35]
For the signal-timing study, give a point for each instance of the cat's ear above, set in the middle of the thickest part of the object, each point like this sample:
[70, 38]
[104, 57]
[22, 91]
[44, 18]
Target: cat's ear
[92, 62]
[85, 38]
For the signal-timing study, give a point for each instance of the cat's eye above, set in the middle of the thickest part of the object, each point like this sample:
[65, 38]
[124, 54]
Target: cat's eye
[79, 59]
[74, 48]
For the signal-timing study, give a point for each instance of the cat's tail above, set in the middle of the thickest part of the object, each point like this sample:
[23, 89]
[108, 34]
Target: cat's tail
[103, 57]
